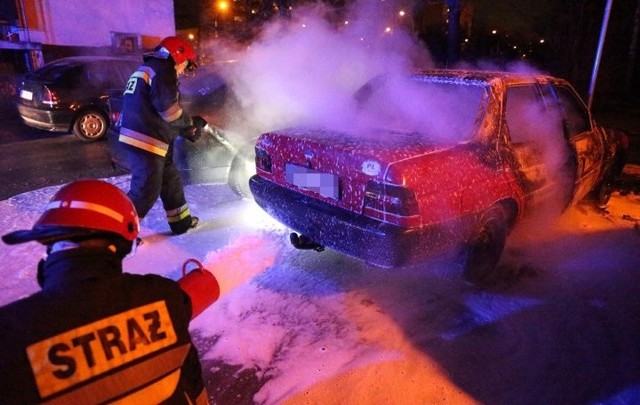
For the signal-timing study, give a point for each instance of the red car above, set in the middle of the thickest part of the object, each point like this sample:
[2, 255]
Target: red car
[436, 160]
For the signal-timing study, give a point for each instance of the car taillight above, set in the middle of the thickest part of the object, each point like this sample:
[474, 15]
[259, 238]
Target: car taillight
[390, 199]
[263, 160]
[115, 117]
[49, 97]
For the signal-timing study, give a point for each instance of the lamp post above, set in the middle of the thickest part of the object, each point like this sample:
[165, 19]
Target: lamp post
[596, 64]
[221, 8]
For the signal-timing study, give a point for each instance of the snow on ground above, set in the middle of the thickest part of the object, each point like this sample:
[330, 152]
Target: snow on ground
[300, 327]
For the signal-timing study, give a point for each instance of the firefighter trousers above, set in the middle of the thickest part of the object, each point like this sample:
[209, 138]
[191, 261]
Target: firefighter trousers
[154, 176]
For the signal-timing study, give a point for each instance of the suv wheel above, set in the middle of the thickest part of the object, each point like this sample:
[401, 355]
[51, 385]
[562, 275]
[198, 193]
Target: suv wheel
[90, 125]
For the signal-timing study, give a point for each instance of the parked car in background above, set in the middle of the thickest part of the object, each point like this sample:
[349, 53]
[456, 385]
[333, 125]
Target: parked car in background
[221, 155]
[70, 94]
[439, 160]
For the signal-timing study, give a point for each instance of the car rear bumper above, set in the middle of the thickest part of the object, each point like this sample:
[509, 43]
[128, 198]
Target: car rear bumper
[49, 120]
[370, 240]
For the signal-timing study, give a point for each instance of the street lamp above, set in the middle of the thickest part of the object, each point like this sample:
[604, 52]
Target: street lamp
[221, 7]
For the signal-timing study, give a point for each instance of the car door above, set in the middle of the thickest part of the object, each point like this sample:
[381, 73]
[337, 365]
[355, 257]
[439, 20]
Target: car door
[583, 136]
[541, 155]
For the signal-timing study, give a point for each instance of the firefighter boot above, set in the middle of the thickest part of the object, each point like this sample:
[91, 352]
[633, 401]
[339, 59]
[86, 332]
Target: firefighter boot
[182, 226]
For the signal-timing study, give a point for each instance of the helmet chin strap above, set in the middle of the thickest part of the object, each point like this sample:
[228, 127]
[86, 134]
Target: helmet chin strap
[62, 245]
[181, 68]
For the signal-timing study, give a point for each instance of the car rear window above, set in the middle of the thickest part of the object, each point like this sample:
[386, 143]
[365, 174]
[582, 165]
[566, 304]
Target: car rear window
[437, 109]
[108, 72]
[63, 71]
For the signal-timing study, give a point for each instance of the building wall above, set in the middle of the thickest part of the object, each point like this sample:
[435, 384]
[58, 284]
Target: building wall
[91, 23]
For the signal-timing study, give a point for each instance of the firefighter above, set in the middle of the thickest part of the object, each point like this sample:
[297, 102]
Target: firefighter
[94, 334]
[151, 119]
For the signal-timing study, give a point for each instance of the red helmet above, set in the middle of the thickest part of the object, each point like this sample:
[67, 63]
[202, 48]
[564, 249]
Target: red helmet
[82, 209]
[180, 50]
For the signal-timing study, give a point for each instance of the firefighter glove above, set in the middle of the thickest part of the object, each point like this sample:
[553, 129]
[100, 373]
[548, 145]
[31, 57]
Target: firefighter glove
[191, 133]
[198, 121]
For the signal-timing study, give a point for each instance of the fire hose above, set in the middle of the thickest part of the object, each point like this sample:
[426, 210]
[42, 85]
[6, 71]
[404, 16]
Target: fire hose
[218, 135]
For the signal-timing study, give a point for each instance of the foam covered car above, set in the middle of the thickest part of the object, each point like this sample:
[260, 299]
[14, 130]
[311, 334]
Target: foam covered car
[435, 161]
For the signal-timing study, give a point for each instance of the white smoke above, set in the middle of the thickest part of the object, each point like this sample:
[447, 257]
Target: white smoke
[305, 69]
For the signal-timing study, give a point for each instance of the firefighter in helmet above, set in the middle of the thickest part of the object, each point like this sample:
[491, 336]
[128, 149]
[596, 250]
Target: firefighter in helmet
[94, 334]
[151, 119]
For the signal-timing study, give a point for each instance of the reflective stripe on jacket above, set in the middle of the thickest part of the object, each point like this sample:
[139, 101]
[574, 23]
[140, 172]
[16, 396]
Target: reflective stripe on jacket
[95, 335]
[151, 112]
[142, 141]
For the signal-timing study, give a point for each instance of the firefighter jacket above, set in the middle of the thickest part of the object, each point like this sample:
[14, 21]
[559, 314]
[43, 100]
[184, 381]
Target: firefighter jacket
[94, 334]
[151, 111]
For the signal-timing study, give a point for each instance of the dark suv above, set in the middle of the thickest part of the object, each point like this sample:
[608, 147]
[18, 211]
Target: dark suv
[70, 94]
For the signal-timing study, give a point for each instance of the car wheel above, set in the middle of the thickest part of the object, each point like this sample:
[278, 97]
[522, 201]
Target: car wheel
[603, 194]
[90, 126]
[242, 167]
[482, 251]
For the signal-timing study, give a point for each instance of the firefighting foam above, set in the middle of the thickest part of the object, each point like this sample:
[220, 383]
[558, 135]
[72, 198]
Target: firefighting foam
[313, 323]
[240, 260]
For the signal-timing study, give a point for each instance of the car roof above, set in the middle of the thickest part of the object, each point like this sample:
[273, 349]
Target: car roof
[488, 76]
[92, 58]
[51, 71]
[83, 60]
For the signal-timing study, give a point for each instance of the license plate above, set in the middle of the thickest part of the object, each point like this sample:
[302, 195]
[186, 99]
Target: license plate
[27, 95]
[325, 184]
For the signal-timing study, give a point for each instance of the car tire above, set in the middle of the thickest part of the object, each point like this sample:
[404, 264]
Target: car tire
[242, 166]
[90, 125]
[603, 193]
[482, 251]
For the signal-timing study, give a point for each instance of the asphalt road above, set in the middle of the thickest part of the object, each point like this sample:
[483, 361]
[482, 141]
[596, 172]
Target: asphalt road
[32, 158]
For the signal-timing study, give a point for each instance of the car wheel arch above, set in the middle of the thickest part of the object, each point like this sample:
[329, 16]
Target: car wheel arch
[512, 211]
[483, 248]
[238, 179]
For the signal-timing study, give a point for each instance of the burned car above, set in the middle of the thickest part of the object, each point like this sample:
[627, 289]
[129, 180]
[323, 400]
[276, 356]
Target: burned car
[437, 161]
[222, 154]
